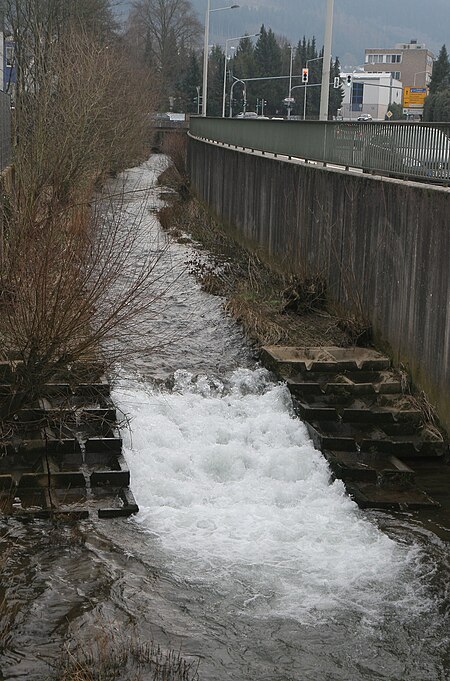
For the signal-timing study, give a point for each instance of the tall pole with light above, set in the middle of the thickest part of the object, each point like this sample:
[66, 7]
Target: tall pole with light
[237, 80]
[206, 50]
[325, 89]
[229, 40]
[290, 81]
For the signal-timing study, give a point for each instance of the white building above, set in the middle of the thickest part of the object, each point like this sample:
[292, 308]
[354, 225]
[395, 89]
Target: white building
[369, 93]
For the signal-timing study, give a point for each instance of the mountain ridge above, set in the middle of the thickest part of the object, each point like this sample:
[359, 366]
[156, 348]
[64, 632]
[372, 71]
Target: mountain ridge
[358, 24]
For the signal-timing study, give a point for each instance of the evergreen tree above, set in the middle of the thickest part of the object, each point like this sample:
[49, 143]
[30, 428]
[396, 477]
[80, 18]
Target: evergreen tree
[440, 77]
[442, 106]
[437, 109]
[215, 80]
[269, 63]
[436, 104]
[243, 66]
[190, 80]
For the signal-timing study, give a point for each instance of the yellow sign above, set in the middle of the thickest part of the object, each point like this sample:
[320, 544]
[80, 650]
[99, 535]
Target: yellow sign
[414, 97]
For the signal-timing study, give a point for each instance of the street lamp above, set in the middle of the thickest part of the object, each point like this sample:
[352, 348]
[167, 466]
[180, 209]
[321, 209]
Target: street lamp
[229, 40]
[205, 53]
[324, 91]
[237, 80]
[290, 81]
[418, 74]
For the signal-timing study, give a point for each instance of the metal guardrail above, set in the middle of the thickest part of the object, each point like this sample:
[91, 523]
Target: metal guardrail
[5, 130]
[418, 151]
[170, 125]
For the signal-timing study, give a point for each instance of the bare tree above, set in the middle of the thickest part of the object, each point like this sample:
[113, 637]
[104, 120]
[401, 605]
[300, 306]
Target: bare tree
[165, 29]
[68, 282]
[35, 26]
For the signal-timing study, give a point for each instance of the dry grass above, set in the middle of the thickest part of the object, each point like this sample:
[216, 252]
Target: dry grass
[272, 306]
[113, 656]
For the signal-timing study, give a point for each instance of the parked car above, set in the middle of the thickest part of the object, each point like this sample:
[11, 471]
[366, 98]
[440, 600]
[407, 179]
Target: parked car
[364, 118]
[247, 114]
[414, 150]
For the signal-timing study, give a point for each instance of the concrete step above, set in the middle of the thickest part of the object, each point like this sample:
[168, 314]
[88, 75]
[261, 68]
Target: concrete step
[380, 469]
[352, 437]
[322, 409]
[289, 361]
[369, 495]
[348, 384]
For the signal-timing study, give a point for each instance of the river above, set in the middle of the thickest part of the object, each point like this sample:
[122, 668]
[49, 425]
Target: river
[244, 556]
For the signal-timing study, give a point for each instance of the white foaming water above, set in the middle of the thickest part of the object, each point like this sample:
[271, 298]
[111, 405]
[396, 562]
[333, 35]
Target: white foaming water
[239, 498]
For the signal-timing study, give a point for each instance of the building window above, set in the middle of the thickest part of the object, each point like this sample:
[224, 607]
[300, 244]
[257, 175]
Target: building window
[396, 75]
[375, 58]
[393, 58]
[357, 96]
[9, 56]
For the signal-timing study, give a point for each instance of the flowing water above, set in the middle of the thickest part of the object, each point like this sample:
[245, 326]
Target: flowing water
[244, 555]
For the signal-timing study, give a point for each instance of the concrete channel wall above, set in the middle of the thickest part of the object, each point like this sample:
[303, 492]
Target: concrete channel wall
[383, 245]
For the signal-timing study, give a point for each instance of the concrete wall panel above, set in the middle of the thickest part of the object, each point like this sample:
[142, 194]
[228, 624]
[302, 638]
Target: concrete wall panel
[382, 245]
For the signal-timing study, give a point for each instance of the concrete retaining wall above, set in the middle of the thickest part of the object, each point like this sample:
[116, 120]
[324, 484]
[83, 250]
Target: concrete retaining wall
[383, 245]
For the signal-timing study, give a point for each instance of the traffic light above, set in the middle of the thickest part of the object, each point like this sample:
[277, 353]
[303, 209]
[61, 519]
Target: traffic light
[349, 79]
[337, 82]
[305, 75]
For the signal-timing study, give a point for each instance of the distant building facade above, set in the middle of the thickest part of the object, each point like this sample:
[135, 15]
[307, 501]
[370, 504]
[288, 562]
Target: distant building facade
[369, 93]
[9, 67]
[411, 63]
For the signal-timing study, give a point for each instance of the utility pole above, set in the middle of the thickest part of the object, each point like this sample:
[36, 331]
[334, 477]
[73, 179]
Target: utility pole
[324, 92]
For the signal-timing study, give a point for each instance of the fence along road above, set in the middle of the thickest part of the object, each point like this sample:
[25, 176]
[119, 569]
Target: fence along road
[417, 151]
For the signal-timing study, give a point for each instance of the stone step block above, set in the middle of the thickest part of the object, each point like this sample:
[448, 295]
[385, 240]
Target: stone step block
[383, 470]
[289, 361]
[369, 495]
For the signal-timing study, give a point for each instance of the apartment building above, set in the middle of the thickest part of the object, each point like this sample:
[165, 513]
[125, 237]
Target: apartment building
[369, 93]
[411, 63]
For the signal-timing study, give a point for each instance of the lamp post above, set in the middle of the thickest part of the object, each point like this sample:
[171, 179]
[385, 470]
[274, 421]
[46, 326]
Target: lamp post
[325, 89]
[205, 52]
[237, 80]
[418, 74]
[290, 81]
[229, 40]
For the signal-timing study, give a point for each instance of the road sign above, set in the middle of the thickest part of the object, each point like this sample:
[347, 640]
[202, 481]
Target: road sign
[414, 97]
[289, 100]
[389, 114]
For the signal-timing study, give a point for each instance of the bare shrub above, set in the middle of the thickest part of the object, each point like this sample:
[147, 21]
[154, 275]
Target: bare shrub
[176, 175]
[69, 281]
[272, 305]
[89, 116]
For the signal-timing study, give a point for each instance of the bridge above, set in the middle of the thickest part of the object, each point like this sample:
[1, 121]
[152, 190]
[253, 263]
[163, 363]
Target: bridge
[337, 200]
[163, 128]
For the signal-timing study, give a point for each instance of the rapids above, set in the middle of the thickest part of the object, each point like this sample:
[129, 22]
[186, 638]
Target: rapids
[244, 555]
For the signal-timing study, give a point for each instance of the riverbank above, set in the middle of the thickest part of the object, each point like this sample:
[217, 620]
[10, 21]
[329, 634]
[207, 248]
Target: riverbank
[272, 306]
[276, 307]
